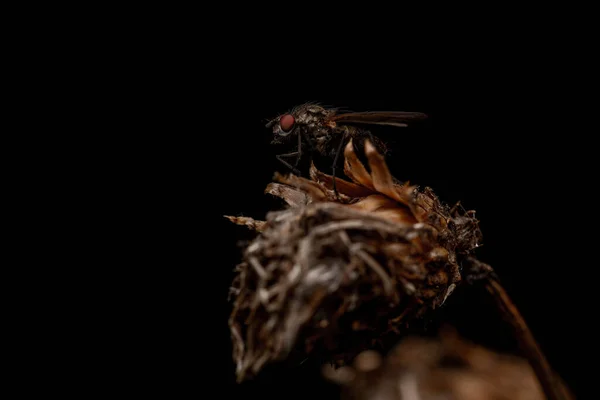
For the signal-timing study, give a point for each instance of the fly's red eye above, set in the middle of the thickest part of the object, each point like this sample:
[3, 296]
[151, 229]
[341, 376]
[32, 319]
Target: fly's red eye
[287, 122]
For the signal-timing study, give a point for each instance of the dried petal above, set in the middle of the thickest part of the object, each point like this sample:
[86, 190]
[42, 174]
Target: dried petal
[381, 177]
[247, 221]
[344, 187]
[354, 169]
[293, 196]
[312, 189]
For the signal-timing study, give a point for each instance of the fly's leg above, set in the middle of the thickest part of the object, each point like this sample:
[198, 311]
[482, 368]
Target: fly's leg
[287, 164]
[299, 150]
[335, 159]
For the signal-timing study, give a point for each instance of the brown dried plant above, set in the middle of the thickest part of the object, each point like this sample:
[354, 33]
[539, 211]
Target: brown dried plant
[362, 262]
[334, 273]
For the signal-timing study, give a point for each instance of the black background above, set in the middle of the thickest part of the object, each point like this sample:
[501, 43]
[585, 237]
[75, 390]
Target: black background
[497, 139]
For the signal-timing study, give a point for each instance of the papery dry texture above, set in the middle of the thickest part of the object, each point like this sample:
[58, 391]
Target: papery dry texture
[335, 273]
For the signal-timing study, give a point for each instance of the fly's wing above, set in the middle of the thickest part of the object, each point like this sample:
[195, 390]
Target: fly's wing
[392, 118]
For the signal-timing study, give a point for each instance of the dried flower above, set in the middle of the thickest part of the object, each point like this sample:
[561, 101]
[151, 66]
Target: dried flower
[336, 273]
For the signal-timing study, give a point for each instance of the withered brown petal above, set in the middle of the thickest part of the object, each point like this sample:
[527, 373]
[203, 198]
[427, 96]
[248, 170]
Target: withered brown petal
[354, 169]
[293, 196]
[343, 187]
[312, 189]
[380, 174]
[385, 208]
[251, 223]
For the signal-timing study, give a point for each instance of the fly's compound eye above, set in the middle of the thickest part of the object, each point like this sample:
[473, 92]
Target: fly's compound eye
[287, 123]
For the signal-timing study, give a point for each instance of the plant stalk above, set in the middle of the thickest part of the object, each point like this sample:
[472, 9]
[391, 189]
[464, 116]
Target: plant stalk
[551, 384]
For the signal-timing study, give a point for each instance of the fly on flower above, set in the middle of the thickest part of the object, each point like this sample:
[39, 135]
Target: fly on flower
[326, 130]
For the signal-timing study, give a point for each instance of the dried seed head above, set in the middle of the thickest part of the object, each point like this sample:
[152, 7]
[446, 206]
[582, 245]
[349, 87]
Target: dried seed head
[448, 367]
[335, 273]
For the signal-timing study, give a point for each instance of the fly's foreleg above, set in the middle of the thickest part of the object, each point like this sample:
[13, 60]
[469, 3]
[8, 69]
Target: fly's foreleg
[335, 160]
[287, 164]
[299, 150]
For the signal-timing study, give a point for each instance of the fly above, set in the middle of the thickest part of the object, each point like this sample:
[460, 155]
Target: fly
[325, 130]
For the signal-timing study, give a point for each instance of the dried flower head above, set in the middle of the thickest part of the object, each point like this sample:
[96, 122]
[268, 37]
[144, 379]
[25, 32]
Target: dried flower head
[335, 273]
[444, 368]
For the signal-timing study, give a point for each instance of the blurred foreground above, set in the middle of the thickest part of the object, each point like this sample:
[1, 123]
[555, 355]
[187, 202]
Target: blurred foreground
[448, 368]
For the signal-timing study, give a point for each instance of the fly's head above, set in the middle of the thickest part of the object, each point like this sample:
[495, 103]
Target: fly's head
[305, 119]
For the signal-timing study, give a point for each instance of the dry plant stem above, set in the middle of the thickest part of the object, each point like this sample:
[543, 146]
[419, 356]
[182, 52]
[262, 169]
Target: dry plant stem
[549, 381]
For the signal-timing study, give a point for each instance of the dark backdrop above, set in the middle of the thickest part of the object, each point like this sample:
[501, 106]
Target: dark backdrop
[495, 139]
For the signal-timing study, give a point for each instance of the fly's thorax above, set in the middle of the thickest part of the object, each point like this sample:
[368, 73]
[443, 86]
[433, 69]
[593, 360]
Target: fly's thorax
[311, 114]
[314, 125]
[319, 133]
[322, 143]
[308, 119]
